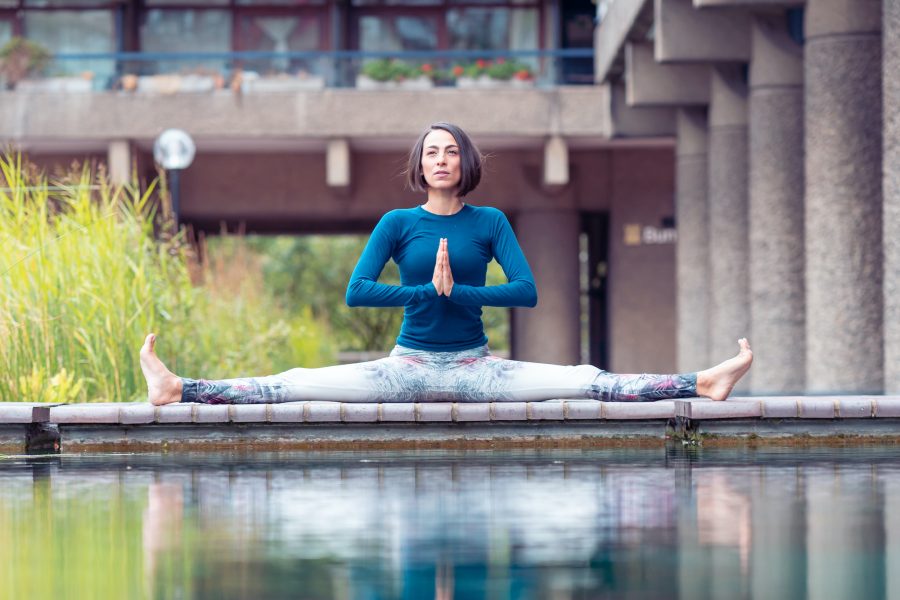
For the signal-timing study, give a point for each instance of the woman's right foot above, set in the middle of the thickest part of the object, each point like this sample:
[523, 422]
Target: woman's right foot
[716, 383]
[163, 386]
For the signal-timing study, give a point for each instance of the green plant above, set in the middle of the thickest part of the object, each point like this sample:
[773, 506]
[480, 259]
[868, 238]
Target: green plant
[20, 58]
[386, 69]
[500, 69]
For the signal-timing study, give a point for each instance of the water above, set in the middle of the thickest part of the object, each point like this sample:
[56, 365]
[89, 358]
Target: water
[625, 523]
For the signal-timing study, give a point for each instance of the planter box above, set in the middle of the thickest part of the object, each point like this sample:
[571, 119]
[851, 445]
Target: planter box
[484, 81]
[56, 84]
[175, 84]
[364, 82]
[253, 83]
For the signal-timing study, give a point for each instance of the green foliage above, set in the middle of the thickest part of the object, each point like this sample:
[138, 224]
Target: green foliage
[20, 58]
[496, 69]
[386, 69]
[83, 279]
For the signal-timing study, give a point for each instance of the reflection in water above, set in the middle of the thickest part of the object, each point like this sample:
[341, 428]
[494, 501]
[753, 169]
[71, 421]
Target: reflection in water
[768, 523]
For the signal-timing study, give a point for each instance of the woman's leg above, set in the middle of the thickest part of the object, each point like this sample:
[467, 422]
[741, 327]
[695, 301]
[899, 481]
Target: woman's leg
[391, 379]
[491, 378]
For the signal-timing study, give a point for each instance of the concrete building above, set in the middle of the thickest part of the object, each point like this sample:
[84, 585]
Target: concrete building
[756, 126]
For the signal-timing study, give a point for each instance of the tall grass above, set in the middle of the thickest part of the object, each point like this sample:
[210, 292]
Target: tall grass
[83, 279]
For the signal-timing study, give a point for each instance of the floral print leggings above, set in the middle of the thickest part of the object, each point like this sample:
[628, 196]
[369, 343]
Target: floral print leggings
[409, 375]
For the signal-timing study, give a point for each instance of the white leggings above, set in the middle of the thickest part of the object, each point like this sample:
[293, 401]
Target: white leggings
[409, 375]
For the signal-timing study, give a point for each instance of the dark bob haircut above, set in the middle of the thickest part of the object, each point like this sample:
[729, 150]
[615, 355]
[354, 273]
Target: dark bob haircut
[470, 160]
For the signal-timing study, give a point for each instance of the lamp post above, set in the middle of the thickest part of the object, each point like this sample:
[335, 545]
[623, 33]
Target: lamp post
[174, 151]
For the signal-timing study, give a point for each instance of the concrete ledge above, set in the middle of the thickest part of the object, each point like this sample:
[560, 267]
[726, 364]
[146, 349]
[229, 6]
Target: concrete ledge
[24, 412]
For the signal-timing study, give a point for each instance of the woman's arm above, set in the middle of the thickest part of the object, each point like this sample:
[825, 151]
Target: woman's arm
[520, 291]
[364, 289]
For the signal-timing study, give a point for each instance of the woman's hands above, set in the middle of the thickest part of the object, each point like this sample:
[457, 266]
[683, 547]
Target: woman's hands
[443, 277]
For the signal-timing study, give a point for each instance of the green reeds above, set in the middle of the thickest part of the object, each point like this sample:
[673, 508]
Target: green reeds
[83, 279]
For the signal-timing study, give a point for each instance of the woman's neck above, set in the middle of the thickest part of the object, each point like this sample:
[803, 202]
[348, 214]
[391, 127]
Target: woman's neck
[441, 203]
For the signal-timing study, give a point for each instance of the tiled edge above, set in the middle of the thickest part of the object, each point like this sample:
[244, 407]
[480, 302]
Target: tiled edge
[780, 407]
[359, 413]
[577, 410]
[550, 410]
[211, 413]
[427, 412]
[289, 412]
[248, 413]
[818, 408]
[25, 412]
[728, 409]
[476, 411]
[85, 413]
[887, 407]
[323, 412]
[856, 407]
[175, 413]
[137, 413]
[397, 412]
[663, 409]
[508, 411]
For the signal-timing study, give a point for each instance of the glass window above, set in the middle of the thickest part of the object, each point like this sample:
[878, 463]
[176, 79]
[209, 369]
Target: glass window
[187, 2]
[69, 31]
[384, 33]
[9, 3]
[187, 31]
[279, 2]
[6, 32]
[279, 33]
[64, 3]
[492, 29]
[397, 2]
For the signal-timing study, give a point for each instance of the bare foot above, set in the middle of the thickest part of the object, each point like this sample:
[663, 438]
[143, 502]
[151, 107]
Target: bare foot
[716, 383]
[162, 384]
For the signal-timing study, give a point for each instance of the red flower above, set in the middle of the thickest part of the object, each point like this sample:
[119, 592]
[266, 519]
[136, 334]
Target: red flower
[458, 71]
[480, 63]
[522, 75]
[500, 61]
[426, 68]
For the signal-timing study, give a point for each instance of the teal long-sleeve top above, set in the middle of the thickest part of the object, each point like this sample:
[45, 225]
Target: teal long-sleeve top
[410, 236]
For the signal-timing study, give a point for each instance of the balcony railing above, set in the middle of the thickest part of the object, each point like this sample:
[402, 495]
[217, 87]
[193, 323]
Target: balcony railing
[291, 71]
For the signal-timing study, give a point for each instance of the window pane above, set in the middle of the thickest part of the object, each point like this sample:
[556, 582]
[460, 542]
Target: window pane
[493, 29]
[280, 34]
[279, 2]
[65, 31]
[400, 33]
[397, 2]
[186, 2]
[532, 2]
[6, 30]
[187, 31]
[42, 3]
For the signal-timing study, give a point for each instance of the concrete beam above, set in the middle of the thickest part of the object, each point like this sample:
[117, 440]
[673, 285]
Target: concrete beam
[627, 20]
[337, 164]
[651, 84]
[556, 162]
[629, 121]
[684, 34]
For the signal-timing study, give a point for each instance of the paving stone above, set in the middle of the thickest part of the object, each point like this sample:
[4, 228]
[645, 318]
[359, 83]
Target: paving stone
[887, 406]
[707, 409]
[817, 408]
[211, 413]
[433, 411]
[359, 413]
[248, 413]
[550, 410]
[323, 412]
[175, 413]
[508, 411]
[25, 412]
[664, 409]
[288, 412]
[780, 407]
[398, 411]
[582, 409]
[472, 411]
[856, 407]
[135, 413]
[88, 413]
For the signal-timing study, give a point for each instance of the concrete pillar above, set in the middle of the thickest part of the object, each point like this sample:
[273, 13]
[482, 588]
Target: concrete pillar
[843, 119]
[119, 157]
[337, 164]
[777, 305]
[891, 74]
[692, 251]
[556, 162]
[550, 332]
[728, 242]
[845, 540]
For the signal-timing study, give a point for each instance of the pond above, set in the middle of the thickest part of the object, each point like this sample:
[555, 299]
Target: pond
[788, 522]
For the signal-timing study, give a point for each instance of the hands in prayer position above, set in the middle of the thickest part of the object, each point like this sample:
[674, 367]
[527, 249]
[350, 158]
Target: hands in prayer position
[442, 278]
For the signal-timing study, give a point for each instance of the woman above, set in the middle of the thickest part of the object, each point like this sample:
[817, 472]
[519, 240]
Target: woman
[442, 249]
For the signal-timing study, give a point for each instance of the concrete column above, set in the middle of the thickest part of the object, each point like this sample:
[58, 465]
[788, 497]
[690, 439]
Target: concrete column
[556, 162]
[728, 246]
[891, 74]
[550, 332]
[337, 164]
[777, 306]
[692, 251]
[843, 119]
[119, 157]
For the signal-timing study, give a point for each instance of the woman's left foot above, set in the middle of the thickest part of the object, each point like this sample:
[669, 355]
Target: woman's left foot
[163, 386]
[716, 383]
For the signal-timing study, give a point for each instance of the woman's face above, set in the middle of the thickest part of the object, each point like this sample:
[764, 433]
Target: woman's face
[440, 160]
